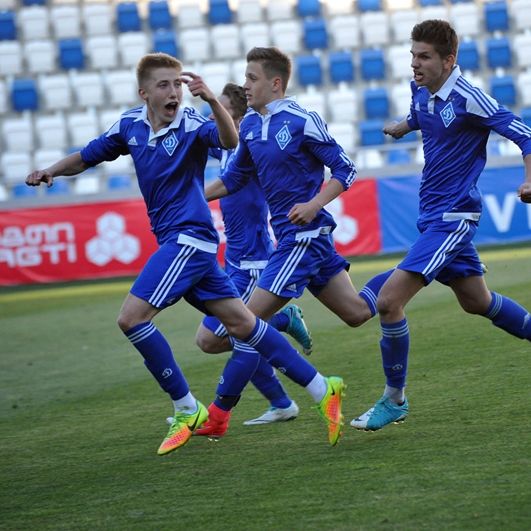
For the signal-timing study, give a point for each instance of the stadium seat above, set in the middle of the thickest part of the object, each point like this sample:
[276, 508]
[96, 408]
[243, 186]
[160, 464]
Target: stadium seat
[21, 191]
[496, 16]
[165, 41]
[195, 44]
[522, 49]
[102, 51]
[524, 87]
[8, 29]
[400, 94]
[340, 67]
[24, 95]
[402, 23]
[121, 87]
[219, 12]
[18, 134]
[476, 80]
[86, 184]
[34, 23]
[225, 41]
[425, 3]
[309, 70]
[55, 91]
[132, 46]
[314, 34]
[249, 11]
[371, 133]
[521, 14]
[40, 56]
[308, 8]
[398, 156]
[10, 58]
[60, 187]
[376, 103]
[526, 116]
[88, 89]
[216, 75]
[279, 10]
[16, 166]
[83, 127]
[118, 182]
[312, 100]
[345, 31]
[108, 117]
[3, 97]
[375, 28]
[66, 21]
[502, 88]
[372, 64]
[122, 166]
[344, 134]
[468, 56]
[433, 11]
[466, 19]
[190, 15]
[4, 196]
[97, 18]
[399, 57]
[43, 158]
[369, 5]
[159, 15]
[343, 104]
[127, 17]
[255, 34]
[51, 131]
[286, 35]
[71, 54]
[499, 53]
[237, 71]
[369, 159]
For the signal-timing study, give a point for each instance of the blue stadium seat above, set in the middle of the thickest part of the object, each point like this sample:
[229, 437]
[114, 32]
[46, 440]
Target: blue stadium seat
[426, 3]
[24, 95]
[219, 12]
[502, 88]
[60, 187]
[165, 41]
[8, 29]
[309, 70]
[71, 54]
[526, 116]
[23, 190]
[371, 133]
[376, 103]
[341, 67]
[127, 17]
[34, 2]
[412, 136]
[118, 182]
[372, 64]
[369, 5]
[315, 34]
[309, 8]
[159, 15]
[398, 156]
[468, 55]
[499, 53]
[496, 16]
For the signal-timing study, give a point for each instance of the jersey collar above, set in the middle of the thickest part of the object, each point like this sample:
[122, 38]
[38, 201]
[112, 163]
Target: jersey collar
[152, 135]
[275, 106]
[449, 84]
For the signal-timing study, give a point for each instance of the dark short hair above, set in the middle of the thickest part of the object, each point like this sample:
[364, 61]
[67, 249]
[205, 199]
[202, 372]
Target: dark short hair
[237, 99]
[274, 63]
[439, 34]
[151, 61]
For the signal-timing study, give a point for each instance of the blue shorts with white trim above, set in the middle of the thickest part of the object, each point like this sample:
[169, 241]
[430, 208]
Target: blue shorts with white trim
[444, 251]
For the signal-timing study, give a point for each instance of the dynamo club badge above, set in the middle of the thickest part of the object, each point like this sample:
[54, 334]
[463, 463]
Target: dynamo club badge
[283, 137]
[170, 143]
[448, 115]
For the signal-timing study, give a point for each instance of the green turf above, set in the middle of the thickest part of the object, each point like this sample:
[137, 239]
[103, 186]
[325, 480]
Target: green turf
[81, 421]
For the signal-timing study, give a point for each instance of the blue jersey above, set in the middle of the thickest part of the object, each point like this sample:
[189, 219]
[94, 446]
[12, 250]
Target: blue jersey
[245, 218]
[170, 168]
[455, 123]
[287, 148]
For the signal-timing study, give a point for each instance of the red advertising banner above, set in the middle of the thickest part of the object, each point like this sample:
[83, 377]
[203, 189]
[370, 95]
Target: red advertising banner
[107, 239]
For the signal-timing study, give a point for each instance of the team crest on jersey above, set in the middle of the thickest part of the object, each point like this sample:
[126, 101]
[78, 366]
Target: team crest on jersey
[170, 143]
[448, 115]
[283, 137]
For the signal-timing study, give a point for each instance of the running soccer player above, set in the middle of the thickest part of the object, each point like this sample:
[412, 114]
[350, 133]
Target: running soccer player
[455, 119]
[169, 146]
[287, 148]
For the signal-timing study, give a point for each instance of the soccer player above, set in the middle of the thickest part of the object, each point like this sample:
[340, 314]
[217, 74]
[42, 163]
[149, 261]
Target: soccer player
[287, 148]
[455, 119]
[169, 146]
[248, 247]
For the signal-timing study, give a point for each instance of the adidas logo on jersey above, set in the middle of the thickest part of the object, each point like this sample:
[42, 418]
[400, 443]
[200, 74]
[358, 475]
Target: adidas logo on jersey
[132, 141]
[249, 136]
[292, 287]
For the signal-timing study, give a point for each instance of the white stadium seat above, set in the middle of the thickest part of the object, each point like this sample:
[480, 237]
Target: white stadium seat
[3, 97]
[10, 58]
[399, 59]
[522, 49]
[433, 12]
[51, 131]
[338, 7]
[4, 196]
[254, 35]
[345, 135]
[249, 11]
[40, 56]
[18, 134]
[524, 87]
[108, 118]
[225, 39]
[123, 165]
[400, 94]
[97, 19]
[88, 89]
[190, 15]
[15, 166]
[55, 91]
[237, 71]
[343, 104]
[46, 157]
[279, 9]
[216, 75]
[122, 87]
[102, 51]
[66, 21]
[465, 19]
[521, 14]
[369, 159]
[132, 45]
[402, 23]
[34, 22]
[195, 44]
[287, 35]
[87, 184]
[345, 31]
[83, 127]
[375, 28]
[312, 100]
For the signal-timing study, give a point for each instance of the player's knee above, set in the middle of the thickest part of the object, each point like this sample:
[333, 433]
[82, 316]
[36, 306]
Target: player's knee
[124, 322]
[386, 305]
[210, 343]
[358, 314]
[473, 307]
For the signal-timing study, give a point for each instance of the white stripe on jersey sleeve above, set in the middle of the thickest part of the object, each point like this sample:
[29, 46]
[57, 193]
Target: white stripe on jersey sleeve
[477, 101]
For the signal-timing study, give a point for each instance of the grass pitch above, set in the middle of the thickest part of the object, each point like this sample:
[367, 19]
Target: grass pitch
[81, 420]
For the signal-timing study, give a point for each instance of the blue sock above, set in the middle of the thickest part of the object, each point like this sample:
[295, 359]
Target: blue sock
[214, 325]
[266, 381]
[158, 358]
[279, 321]
[369, 292]
[278, 351]
[395, 346]
[509, 316]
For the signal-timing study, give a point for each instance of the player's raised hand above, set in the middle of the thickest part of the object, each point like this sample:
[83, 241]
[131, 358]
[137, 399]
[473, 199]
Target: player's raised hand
[303, 213]
[39, 176]
[197, 86]
[524, 192]
[395, 129]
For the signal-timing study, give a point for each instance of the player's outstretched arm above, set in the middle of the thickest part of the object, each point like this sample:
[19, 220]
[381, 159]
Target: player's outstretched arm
[70, 165]
[397, 129]
[215, 190]
[228, 134]
[524, 190]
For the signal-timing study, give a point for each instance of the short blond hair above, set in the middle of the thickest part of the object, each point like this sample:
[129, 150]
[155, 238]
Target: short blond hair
[274, 63]
[151, 61]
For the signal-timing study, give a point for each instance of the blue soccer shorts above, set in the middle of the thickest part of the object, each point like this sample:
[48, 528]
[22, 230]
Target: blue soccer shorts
[309, 261]
[444, 251]
[180, 270]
